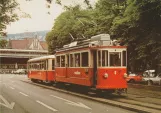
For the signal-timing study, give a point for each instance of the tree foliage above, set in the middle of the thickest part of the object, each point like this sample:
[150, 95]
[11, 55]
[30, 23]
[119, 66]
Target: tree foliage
[139, 28]
[137, 23]
[70, 24]
[7, 13]
[3, 43]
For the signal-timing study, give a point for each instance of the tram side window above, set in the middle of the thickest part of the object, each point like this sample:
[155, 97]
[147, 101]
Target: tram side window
[104, 58]
[44, 65]
[115, 59]
[71, 60]
[84, 59]
[99, 58]
[77, 59]
[53, 64]
[58, 61]
[37, 66]
[67, 60]
[124, 58]
[63, 61]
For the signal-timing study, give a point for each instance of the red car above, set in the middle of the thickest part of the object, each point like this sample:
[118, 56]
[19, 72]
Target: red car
[134, 78]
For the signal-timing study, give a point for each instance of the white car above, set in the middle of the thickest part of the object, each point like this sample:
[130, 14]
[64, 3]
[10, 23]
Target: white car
[20, 71]
[152, 80]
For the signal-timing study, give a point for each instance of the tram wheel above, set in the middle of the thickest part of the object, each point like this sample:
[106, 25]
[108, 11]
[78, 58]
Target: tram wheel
[33, 80]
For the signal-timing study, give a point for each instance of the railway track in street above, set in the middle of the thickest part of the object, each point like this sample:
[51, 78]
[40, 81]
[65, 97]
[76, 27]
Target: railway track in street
[130, 101]
[143, 86]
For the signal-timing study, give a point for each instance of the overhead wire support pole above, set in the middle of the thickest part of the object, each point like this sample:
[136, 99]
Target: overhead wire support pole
[71, 36]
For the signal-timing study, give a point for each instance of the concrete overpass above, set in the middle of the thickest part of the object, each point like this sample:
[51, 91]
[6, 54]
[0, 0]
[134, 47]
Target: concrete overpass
[13, 59]
[19, 53]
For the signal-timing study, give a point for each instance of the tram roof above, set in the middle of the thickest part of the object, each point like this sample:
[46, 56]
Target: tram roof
[101, 40]
[22, 50]
[41, 58]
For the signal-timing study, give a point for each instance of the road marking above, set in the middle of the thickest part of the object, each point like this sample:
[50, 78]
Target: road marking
[6, 103]
[79, 104]
[23, 94]
[12, 88]
[46, 105]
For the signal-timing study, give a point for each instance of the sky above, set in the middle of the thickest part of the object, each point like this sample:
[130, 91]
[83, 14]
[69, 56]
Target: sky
[40, 19]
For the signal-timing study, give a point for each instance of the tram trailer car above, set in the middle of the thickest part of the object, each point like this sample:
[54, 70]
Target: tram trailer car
[42, 69]
[97, 62]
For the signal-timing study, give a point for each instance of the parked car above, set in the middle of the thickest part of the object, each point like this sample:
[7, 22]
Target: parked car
[20, 71]
[150, 78]
[132, 78]
[149, 73]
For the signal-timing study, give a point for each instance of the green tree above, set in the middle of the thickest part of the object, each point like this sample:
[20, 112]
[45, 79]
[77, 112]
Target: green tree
[7, 14]
[81, 23]
[139, 28]
[3, 43]
[70, 24]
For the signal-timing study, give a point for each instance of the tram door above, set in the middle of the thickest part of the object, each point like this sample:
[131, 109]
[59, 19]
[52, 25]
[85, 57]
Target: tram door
[95, 67]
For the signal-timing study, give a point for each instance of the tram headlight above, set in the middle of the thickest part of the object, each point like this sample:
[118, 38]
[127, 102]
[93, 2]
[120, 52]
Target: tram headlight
[105, 75]
[125, 75]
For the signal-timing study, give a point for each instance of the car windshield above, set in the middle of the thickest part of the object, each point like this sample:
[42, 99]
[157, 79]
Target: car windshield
[133, 74]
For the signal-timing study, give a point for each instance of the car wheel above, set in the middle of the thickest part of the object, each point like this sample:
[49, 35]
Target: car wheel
[132, 81]
[160, 82]
[150, 82]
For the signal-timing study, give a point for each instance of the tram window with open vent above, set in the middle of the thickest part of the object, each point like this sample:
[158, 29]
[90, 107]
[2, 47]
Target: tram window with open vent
[63, 61]
[84, 59]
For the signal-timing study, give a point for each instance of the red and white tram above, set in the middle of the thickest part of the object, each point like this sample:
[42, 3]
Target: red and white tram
[42, 69]
[96, 62]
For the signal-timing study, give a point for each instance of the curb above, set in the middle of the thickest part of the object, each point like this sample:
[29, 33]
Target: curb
[126, 106]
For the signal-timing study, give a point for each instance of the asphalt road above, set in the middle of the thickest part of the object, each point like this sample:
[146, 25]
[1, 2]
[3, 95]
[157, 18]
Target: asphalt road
[20, 97]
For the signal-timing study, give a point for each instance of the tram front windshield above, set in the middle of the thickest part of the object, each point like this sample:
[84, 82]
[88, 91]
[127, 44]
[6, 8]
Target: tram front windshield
[115, 59]
[111, 59]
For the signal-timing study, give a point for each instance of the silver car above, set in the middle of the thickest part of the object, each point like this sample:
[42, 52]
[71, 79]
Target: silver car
[152, 80]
